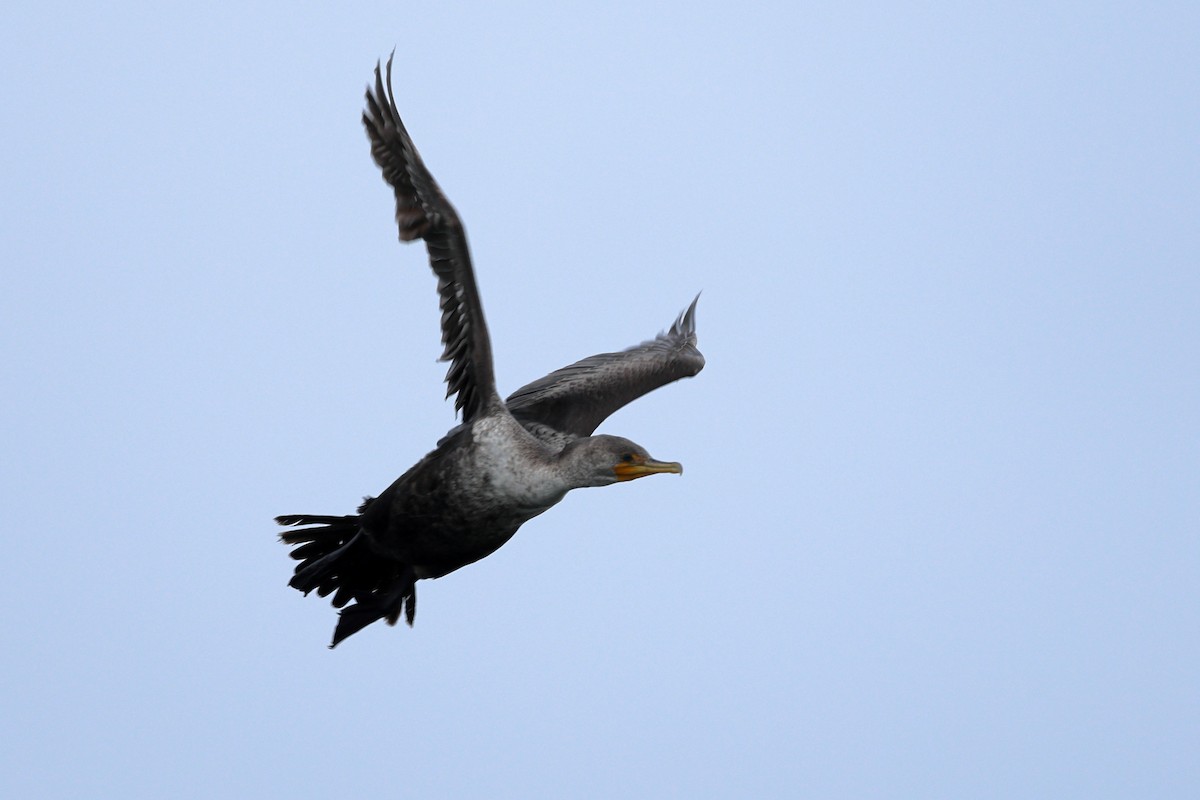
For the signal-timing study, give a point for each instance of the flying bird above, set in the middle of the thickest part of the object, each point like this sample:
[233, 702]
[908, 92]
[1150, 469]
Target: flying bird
[508, 460]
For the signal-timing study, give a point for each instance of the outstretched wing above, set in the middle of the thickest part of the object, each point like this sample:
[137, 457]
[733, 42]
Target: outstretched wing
[574, 400]
[423, 212]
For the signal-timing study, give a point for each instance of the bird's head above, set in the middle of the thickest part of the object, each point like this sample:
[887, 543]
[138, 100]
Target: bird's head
[601, 460]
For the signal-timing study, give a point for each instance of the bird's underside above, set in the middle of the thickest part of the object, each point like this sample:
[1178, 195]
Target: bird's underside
[508, 461]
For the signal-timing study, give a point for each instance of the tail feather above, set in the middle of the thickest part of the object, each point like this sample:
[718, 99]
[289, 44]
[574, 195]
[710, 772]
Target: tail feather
[335, 559]
[312, 519]
[401, 596]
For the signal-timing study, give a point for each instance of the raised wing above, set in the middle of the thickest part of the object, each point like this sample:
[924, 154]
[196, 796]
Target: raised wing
[574, 400]
[423, 212]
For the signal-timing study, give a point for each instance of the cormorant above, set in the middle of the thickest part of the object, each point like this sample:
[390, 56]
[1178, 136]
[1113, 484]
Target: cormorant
[508, 461]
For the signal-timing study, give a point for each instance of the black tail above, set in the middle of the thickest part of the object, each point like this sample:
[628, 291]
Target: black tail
[336, 559]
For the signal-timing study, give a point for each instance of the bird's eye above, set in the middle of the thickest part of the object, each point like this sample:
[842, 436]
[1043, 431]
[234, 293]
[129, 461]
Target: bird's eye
[627, 457]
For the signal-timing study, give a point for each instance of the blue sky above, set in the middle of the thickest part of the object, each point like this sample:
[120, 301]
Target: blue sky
[937, 534]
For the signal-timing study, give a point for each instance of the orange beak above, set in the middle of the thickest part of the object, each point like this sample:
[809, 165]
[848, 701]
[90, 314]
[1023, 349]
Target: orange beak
[628, 470]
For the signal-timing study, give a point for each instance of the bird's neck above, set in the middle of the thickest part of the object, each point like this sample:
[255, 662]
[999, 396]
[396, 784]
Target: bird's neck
[520, 467]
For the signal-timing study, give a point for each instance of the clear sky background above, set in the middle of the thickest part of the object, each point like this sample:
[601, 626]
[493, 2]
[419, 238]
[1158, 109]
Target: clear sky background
[939, 530]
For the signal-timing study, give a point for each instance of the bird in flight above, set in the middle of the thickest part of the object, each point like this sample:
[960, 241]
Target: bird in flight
[508, 461]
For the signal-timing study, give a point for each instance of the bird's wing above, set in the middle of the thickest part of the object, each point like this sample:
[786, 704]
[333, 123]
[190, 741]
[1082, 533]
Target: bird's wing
[576, 399]
[423, 212]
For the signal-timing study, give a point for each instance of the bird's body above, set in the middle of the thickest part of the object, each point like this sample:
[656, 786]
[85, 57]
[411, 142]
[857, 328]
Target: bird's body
[508, 461]
[466, 498]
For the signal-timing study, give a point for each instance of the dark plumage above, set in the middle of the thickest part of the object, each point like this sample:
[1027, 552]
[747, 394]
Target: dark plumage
[508, 461]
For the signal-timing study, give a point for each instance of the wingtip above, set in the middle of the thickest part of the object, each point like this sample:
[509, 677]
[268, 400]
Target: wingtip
[381, 93]
[685, 323]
